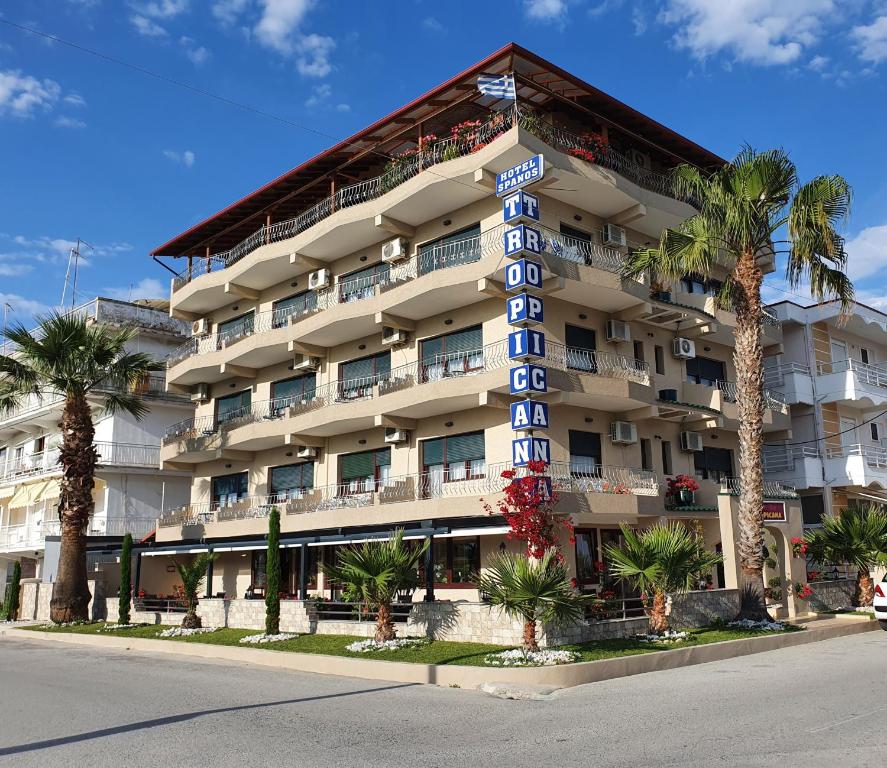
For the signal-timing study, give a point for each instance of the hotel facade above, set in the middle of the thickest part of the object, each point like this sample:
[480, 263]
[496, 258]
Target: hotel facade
[350, 358]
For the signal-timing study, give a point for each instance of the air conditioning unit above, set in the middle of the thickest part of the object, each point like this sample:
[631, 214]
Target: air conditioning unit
[396, 435]
[640, 158]
[623, 432]
[306, 452]
[683, 349]
[691, 441]
[395, 250]
[617, 330]
[318, 279]
[306, 363]
[613, 235]
[393, 336]
[200, 327]
[200, 394]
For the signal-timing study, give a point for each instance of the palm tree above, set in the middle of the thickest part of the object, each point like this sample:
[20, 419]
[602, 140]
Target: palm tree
[192, 575]
[375, 572]
[857, 536]
[69, 358]
[533, 590]
[660, 561]
[743, 207]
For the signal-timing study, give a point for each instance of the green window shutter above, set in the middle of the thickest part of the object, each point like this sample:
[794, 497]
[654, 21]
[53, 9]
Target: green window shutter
[465, 447]
[431, 349]
[236, 324]
[292, 476]
[383, 457]
[294, 388]
[356, 369]
[356, 465]
[467, 340]
[383, 364]
[433, 451]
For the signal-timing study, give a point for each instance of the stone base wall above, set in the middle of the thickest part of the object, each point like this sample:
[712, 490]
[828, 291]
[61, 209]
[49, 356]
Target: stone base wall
[698, 609]
[28, 598]
[44, 596]
[831, 595]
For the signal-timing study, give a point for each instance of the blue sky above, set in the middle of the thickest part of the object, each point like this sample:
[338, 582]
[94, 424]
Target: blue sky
[93, 150]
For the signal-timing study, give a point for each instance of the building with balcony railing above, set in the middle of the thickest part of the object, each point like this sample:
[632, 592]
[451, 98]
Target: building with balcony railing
[349, 349]
[832, 373]
[130, 490]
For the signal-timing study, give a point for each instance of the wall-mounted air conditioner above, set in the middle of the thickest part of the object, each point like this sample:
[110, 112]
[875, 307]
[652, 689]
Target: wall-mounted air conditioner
[396, 435]
[200, 394]
[613, 235]
[639, 158]
[623, 432]
[395, 250]
[318, 279]
[691, 441]
[683, 349]
[200, 327]
[306, 363]
[393, 336]
[617, 331]
[306, 452]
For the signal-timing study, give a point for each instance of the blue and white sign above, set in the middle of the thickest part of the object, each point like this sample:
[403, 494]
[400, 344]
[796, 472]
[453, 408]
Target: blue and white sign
[529, 414]
[528, 378]
[519, 206]
[522, 239]
[527, 449]
[526, 344]
[543, 488]
[523, 309]
[520, 175]
[521, 274]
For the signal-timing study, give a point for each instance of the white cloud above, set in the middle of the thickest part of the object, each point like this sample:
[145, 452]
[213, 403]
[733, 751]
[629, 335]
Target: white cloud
[63, 121]
[186, 158]
[545, 10]
[198, 54]
[74, 100]
[319, 94]
[342, 107]
[638, 20]
[867, 252]
[146, 288]
[871, 40]
[228, 11]
[52, 252]
[162, 9]
[146, 27]
[433, 25]
[14, 265]
[280, 19]
[314, 55]
[753, 31]
[21, 309]
[818, 63]
[22, 95]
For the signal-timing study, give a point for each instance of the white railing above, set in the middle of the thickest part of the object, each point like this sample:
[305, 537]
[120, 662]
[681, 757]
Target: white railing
[774, 375]
[101, 526]
[109, 454]
[772, 489]
[21, 536]
[773, 400]
[866, 373]
[875, 456]
[780, 458]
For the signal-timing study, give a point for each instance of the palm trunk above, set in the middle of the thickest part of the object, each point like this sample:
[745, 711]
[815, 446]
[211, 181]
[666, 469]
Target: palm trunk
[384, 625]
[70, 597]
[865, 590]
[748, 358]
[658, 616]
[530, 644]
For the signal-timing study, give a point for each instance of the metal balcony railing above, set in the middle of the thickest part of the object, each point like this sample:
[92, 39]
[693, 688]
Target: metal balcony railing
[114, 526]
[772, 489]
[866, 373]
[875, 456]
[774, 375]
[777, 459]
[109, 454]
[773, 400]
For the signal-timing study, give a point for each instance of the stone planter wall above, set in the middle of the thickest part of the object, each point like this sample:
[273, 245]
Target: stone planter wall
[698, 609]
[831, 595]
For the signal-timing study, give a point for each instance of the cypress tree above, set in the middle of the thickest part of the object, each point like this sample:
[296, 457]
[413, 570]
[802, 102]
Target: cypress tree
[12, 593]
[272, 575]
[125, 594]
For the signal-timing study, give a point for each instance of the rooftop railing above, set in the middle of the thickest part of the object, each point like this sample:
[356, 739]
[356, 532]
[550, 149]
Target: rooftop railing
[772, 489]
[405, 167]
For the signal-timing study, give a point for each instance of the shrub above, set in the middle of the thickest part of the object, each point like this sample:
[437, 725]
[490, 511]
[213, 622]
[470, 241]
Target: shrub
[124, 603]
[272, 575]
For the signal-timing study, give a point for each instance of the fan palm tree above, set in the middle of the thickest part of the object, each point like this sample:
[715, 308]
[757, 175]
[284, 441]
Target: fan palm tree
[192, 575]
[533, 590]
[660, 561]
[857, 536]
[743, 207]
[375, 572]
[72, 359]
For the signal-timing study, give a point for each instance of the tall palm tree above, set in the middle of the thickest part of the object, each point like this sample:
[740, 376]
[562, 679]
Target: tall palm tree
[375, 572]
[534, 590]
[70, 358]
[192, 575]
[660, 561]
[858, 537]
[743, 208]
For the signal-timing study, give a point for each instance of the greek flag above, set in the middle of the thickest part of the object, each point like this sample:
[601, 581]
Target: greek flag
[500, 86]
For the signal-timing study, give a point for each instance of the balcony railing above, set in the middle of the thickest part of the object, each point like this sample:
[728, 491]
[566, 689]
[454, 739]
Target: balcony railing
[21, 536]
[865, 373]
[772, 489]
[438, 368]
[774, 375]
[113, 526]
[875, 456]
[777, 459]
[436, 484]
[109, 454]
[775, 401]
[430, 155]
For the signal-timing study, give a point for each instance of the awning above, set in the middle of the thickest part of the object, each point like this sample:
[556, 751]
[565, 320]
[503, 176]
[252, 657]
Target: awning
[49, 492]
[7, 492]
[26, 495]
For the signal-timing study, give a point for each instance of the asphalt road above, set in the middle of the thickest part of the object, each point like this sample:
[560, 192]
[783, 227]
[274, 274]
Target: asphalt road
[823, 704]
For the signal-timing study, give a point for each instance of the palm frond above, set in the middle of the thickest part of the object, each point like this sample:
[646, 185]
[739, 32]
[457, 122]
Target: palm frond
[857, 536]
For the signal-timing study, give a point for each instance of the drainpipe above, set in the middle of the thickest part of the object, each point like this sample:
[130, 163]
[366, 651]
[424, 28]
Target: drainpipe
[303, 572]
[429, 570]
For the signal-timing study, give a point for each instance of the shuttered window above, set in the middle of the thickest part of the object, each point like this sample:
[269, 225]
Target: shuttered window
[455, 457]
[291, 480]
[453, 354]
[365, 471]
[713, 463]
[294, 390]
[704, 370]
[462, 247]
[233, 407]
[227, 489]
[362, 283]
[299, 304]
[373, 367]
[237, 327]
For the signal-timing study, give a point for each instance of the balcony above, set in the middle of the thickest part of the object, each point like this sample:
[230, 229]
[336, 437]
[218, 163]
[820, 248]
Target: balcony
[599, 489]
[110, 454]
[791, 380]
[797, 465]
[406, 167]
[851, 382]
[730, 486]
[857, 465]
[440, 385]
[777, 416]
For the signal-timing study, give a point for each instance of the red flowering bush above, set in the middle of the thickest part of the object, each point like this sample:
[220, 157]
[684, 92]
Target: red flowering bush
[682, 483]
[803, 591]
[813, 575]
[799, 546]
[528, 509]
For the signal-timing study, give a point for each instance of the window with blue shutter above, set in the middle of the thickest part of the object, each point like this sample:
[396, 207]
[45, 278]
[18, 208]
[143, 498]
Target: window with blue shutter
[236, 328]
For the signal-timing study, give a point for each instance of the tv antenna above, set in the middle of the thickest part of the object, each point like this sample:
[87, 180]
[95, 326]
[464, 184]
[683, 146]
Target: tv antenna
[71, 273]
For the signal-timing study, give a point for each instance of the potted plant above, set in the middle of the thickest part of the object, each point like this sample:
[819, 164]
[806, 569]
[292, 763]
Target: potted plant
[658, 291]
[682, 489]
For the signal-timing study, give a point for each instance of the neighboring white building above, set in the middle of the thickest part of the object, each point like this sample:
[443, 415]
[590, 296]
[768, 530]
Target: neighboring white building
[130, 489]
[833, 373]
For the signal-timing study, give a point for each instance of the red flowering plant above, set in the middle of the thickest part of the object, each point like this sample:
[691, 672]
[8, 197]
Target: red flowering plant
[813, 575]
[682, 483]
[529, 510]
[803, 591]
[799, 546]
[592, 148]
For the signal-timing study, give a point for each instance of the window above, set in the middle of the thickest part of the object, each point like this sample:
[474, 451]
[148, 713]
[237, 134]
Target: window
[462, 247]
[587, 558]
[874, 431]
[366, 471]
[452, 458]
[237, 328]
[703, 370]
[666, 457]
[813, 509]
[259, 577]
[233, 407]
[357, 377]
[693, 284]
[456, 561]
[659, 355]
[646, 453]
[291, 481]
[40, 444]
[713, 463]
[581, 346]
[299, 389]
[585, 452]
[639, 351]
[362, 283]
[577, 245]
[453, 354]
[293, 306]
[864, 355]
[228, 489]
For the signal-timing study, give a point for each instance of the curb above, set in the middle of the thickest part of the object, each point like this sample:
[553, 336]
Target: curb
[565, 676]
